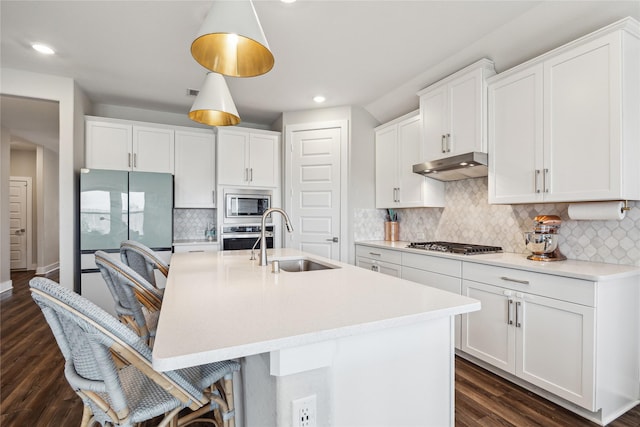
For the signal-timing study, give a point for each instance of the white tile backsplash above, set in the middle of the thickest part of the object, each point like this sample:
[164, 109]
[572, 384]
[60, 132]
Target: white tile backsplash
[191, 223]
[469, 218]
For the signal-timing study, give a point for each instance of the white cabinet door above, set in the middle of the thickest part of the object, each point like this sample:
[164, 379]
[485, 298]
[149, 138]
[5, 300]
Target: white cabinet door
[575, 109]
[386, 171]
[489, 334]
[108, 145]
[555, 342]
[153, 149]
[411, 185]
[466, 114]
[263, 160]
[195, 166]
[247, 158]
[398, 145]
[515, 138]
[233, 152]
[435, 123]
[453, 113]
[582, 122]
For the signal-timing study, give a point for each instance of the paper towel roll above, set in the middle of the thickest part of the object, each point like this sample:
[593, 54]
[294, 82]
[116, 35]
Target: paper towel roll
[597, 211]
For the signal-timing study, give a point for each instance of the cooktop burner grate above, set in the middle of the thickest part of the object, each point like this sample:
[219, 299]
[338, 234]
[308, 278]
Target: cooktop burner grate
[456, 248]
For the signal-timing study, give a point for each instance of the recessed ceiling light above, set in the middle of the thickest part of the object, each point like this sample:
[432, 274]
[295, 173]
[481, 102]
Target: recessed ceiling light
[43, 48]
[288, 1]
[319, 99]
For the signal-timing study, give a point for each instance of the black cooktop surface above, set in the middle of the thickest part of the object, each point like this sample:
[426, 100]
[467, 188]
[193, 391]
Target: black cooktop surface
[456, 248]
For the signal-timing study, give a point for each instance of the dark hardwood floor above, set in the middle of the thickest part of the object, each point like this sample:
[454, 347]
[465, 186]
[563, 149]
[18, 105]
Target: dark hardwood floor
[34, 392]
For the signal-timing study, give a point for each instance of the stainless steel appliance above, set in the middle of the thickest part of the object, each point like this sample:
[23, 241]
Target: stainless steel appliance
[117, 206]
[543, 240]
[456, 248]
[236, 237]
[454, 168]
[245, 206]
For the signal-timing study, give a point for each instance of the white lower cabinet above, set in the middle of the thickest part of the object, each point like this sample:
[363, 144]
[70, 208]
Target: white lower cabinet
[441, 273]
[544, 341]
[384, 261]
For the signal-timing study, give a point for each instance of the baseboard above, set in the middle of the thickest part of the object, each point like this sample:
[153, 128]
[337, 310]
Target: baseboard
[48, 268]
[6, 286]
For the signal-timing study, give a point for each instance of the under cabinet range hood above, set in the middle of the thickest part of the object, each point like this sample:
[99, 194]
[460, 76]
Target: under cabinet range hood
[454, 168]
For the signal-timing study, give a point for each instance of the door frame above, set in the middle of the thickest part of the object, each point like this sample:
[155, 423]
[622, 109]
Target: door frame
[29, 220]
[343, 125]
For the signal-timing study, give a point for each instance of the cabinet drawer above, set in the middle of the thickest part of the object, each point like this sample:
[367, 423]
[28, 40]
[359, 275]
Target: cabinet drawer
[563, 288]
[435, 280]
[196, 247]
[380, 254]
[450, 267]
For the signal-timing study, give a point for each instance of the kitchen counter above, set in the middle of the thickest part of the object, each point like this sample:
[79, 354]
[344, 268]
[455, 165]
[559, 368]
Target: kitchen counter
[585, 270]
[271, 311]
[345, 333]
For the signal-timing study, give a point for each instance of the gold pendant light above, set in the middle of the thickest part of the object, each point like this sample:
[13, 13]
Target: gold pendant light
[213, 105]
[231, 41]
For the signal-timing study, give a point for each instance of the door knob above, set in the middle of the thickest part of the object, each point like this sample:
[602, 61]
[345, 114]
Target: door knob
[334, 240]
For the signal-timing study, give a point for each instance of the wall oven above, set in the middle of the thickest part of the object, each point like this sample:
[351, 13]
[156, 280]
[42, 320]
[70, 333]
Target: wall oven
[245, 206]
[236, 237]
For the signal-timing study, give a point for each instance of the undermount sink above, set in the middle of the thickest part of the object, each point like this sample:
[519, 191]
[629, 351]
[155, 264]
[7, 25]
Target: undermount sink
[303, 264]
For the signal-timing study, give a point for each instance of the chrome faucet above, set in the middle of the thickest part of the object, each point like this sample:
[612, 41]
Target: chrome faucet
[263, 234]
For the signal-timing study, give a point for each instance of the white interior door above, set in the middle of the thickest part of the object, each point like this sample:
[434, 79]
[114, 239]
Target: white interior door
[315, 190]
[18, 223]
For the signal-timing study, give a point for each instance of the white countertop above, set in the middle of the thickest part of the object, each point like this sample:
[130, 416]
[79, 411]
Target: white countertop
[221, 305]
[593, 271]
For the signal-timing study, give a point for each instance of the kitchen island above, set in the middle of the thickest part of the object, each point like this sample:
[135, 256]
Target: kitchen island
[372, 349]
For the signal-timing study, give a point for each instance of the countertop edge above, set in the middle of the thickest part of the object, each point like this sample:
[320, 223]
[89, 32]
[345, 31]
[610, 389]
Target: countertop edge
[161, 364]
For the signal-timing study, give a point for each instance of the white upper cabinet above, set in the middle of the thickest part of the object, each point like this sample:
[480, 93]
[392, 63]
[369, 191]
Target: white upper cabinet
[248, 157]
[453, 113]
[398, 148]
[126, 145]
[564, 127]
[195, 166]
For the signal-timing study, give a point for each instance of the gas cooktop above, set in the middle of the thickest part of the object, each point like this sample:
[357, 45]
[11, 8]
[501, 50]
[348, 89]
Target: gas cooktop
[456, 248]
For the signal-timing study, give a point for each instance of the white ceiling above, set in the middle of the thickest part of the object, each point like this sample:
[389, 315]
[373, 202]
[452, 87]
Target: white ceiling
[374, 54]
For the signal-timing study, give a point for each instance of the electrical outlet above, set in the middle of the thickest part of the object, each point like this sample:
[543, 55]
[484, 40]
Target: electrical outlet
[304, 411]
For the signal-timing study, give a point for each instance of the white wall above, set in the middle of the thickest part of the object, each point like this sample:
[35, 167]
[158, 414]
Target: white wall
[73, 104]
[49, 195]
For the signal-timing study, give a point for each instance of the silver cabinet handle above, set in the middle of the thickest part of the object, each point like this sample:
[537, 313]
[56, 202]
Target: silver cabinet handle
[374, 254]
[213, 197]
[135, 160]
[448, 144]
[509, 311]
[518, 307]
[545, 183]
[443, 143]
[536, 179]
[129, 161]
[509, 279]
[398, 195]
[333, 239]
[250, 174]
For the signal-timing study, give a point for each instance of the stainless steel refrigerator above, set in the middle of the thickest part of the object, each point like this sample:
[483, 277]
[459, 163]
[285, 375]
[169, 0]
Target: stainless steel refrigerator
[117, 206]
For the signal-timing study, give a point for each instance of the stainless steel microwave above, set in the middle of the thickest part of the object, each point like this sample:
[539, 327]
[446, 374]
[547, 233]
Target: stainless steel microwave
[245, 205]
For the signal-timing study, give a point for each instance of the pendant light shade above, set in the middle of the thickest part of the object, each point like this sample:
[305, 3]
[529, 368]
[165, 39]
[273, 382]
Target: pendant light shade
[213, 105]
[231, 41]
